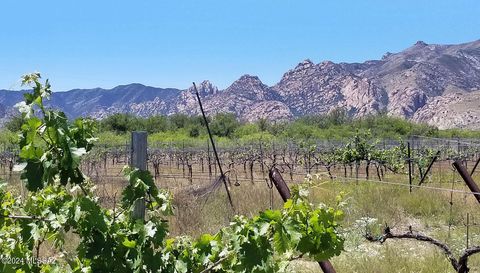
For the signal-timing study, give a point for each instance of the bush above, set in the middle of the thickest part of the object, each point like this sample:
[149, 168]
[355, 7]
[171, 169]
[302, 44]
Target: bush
[14, 124]
[120, 123]
[334, 125]
[224, 125]
[178, 121]
[155, 124]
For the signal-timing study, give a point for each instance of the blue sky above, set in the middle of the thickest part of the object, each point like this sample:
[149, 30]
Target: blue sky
[104, 43]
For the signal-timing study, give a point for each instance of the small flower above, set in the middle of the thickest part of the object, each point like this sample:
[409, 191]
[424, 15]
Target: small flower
[24, 108]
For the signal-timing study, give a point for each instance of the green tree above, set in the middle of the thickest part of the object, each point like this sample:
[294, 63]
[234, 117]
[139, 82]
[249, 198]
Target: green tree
[194, 131]
[337, 116]
[179, 121]
[120, 123]
[154, 124]
[263, 124]
[15, 123]
[224, 124]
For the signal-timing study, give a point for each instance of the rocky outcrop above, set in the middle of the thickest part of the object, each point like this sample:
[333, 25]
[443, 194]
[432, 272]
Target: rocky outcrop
[250, 100]
[187, 101]
[454, 110]
[414, 76]
[319, 88]
[363, 97]
[270, 110]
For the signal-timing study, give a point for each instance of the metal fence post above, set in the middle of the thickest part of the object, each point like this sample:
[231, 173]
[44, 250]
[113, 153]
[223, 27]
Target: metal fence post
[429, 167]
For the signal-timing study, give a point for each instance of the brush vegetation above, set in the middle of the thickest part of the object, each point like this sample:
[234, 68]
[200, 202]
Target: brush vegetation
[190, 130]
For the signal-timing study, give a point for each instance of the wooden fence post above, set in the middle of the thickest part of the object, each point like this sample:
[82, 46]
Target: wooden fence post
[468, 179]
[282, 187]
[138, 159]
[409, 160]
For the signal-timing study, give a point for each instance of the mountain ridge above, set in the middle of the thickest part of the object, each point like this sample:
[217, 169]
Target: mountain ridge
[430, 83]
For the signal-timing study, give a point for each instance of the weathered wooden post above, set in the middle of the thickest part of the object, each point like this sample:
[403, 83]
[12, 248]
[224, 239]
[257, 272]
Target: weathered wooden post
[468, 179]
[409, 161]
[126, 152]
[282, 187]
[138, 159]
[277, 179]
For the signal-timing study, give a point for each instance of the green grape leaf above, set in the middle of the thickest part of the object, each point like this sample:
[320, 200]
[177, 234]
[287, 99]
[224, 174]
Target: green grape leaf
[129, 244]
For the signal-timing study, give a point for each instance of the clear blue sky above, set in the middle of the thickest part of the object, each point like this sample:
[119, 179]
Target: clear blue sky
[104, 43]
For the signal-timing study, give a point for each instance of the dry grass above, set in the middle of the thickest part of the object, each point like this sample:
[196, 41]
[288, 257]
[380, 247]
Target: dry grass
[427, 211]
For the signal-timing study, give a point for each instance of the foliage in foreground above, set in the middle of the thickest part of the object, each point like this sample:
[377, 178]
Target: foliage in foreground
[61, 205]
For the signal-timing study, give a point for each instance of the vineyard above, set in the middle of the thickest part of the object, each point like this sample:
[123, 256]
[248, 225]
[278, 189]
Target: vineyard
[365, 204]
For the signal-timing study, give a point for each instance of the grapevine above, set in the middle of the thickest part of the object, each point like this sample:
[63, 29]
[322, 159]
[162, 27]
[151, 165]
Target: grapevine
[61, 205]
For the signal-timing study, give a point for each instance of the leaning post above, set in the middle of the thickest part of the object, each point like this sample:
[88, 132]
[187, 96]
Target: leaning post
[468, 179]
[284, 191]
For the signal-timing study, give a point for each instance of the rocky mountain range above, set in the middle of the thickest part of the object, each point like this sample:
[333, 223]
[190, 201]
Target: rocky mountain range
[434, 84]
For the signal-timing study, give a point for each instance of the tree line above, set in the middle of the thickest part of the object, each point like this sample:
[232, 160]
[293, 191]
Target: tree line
[335, 125]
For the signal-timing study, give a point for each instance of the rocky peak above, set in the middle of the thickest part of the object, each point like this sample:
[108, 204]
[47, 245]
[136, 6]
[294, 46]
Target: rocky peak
[420, 44]
[420, 52]
[247, 82]
[249, 78]
[205, 88]
[250, 87]
[303, 69]
[305, 64]
[329, 68]
[307, 75]
[327, 64]
[386, 55]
